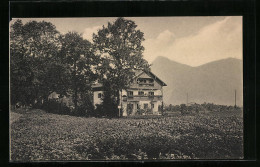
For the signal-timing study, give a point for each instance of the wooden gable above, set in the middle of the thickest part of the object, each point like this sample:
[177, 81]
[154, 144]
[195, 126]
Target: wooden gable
[149, 74]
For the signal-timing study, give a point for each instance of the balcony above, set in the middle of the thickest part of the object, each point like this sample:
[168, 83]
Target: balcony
[142, 98]
[145, 84]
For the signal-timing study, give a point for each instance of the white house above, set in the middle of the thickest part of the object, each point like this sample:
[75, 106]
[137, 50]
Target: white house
[144, 94]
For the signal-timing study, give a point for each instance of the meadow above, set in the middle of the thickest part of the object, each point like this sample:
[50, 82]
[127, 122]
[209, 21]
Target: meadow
[40, 136]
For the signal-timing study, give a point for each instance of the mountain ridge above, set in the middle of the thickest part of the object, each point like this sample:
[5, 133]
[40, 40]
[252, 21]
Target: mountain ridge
[213, 82]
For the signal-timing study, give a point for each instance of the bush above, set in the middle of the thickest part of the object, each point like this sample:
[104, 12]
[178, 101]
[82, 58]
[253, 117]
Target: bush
[55, 107]
[108, 107]
[105, 110]
[81, 111]
[98, 110]
[140, 111]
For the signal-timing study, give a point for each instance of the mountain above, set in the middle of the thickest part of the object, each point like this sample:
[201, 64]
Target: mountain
[214, 82]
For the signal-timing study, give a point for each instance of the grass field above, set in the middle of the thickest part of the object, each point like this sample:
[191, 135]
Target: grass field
[37, 135]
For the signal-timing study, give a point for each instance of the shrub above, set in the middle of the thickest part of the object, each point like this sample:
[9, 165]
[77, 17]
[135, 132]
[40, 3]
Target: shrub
[55, 107]
[98, 112]
[140, 111]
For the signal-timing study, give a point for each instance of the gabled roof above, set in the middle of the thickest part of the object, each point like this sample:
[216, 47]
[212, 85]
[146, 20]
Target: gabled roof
[152, 75]
[138, 72]
[99, 86]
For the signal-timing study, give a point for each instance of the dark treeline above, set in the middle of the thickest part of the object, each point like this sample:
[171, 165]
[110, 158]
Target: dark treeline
[196, 108]
[43, 61]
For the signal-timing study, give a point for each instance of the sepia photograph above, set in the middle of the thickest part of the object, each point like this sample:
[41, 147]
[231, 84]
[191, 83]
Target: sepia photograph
[126, 88]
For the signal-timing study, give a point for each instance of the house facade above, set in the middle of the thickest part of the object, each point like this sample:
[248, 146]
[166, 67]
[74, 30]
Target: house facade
[144, 95]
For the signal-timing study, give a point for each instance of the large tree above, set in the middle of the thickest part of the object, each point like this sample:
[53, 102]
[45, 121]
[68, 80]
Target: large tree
[119, 45]
[79, 56]
[34, 47]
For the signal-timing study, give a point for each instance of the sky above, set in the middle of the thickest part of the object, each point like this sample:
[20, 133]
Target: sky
[188, 40]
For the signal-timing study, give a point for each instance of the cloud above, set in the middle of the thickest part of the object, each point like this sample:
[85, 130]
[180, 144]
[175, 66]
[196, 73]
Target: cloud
[216, 41]
[154, 47]
[166, 36]
[88, 32]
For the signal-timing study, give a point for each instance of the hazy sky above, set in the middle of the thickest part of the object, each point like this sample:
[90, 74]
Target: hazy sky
[188, 40]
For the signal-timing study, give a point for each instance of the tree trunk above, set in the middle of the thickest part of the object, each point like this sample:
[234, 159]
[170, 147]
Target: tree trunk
[76, 88]
[118, 101]
[76, 99]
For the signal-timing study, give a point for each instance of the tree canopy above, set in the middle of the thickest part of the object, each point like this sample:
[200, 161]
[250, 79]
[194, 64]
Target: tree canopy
[119, 45]
[33, 47]
[44, 61]
[78, 55]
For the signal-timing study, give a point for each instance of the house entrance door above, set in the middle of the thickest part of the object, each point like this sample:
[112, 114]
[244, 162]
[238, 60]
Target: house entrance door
[130, 108]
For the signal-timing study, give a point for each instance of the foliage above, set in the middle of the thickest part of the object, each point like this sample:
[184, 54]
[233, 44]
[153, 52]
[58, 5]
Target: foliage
[33, 47]
[140, 111]
[108, 107]
[56, 107]
[43, 136]
[119, 45]
[78, 56]
[196, 108]
[43, 61]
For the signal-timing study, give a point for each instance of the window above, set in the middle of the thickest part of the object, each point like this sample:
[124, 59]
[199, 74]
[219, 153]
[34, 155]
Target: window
[152, 105]
[140, 93]
[145, 106]
[137, 106]
[151, 93]
[130, 93]
[141, 80]
[99, 95]
[151, 80]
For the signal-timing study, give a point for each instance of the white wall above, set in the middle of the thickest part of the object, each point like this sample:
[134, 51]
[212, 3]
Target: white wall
[156, 104]
[96, 99]
[124, 92]
[124, 107]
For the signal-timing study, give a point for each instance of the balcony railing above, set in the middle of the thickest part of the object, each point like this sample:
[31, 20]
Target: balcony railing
[146, 84]
[142, 97]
